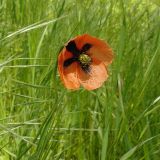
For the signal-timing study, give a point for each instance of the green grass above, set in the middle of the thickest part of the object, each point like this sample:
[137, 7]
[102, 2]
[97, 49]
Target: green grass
[41, 120]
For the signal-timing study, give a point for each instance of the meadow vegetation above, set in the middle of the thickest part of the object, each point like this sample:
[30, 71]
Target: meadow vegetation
[42, 120]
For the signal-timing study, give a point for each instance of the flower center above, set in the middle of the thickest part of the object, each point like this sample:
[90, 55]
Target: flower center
[84, 59]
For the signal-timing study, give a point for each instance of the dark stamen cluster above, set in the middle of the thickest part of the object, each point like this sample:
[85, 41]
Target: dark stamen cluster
[79, 56]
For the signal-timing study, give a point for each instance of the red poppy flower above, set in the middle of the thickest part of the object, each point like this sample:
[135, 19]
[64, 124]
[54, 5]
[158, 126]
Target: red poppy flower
[83, 61]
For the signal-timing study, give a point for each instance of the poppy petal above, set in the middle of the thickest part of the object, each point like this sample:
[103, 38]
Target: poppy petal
[95, 78]
[99, 49]
[68, 74]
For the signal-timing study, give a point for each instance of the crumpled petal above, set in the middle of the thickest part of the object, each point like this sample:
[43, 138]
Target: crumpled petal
[95, 78]
[68, 74]
[99, 50]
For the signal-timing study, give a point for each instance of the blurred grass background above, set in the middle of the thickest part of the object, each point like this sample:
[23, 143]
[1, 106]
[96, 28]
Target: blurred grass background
[41, 120]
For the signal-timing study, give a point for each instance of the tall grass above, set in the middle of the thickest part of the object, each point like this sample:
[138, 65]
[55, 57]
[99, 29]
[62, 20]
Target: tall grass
[41, 120]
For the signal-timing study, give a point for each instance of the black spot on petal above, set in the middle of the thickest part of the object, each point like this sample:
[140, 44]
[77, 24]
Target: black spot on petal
[86, 68]
[71, 47]
[69, 61]
[86, 47]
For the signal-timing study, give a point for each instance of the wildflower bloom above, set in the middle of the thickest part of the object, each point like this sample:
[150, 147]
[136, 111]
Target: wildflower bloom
[83, 61]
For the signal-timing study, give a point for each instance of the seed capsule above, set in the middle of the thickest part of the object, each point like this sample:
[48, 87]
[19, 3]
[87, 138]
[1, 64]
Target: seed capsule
[84, 59]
